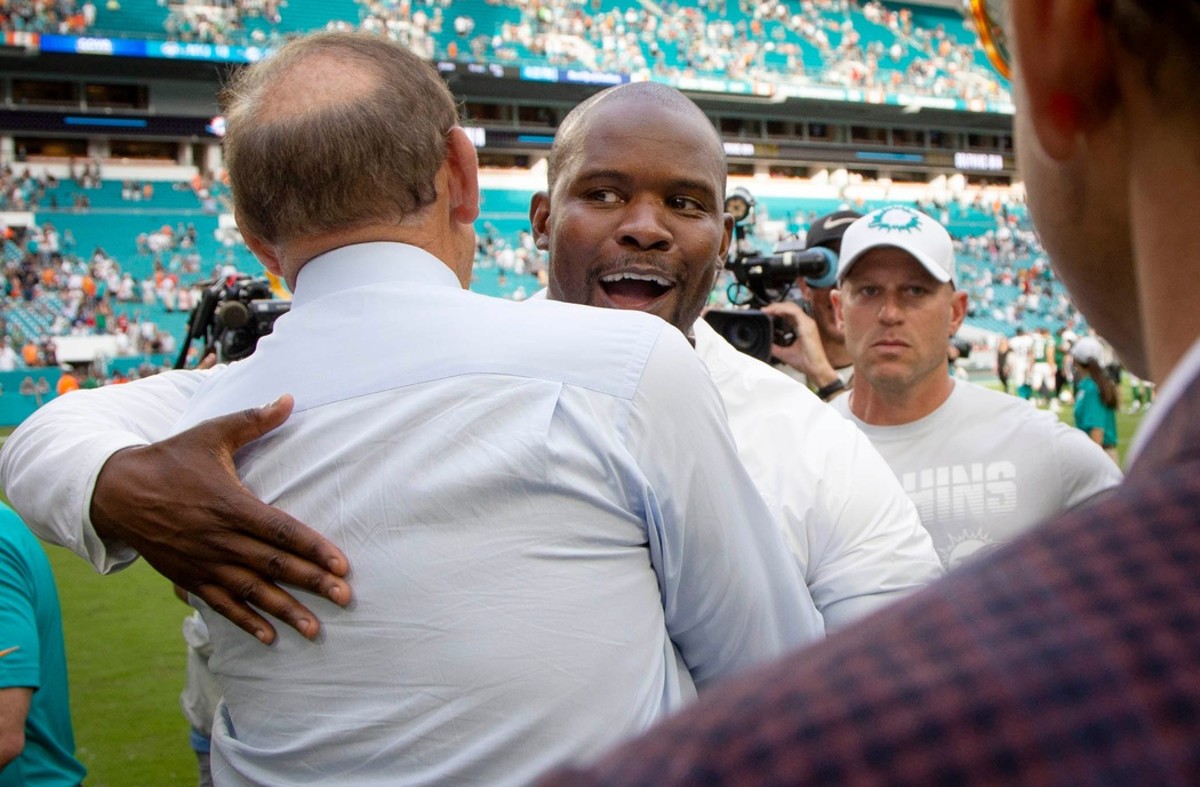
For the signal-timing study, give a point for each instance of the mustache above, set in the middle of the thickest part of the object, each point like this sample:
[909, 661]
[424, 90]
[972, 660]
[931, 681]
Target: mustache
[649, 262]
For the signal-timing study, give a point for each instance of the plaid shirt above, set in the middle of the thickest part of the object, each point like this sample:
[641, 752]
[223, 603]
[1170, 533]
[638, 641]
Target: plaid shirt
[1070, 657]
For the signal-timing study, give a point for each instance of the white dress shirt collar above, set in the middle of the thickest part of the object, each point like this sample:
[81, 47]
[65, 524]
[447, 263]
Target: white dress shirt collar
[365, 264]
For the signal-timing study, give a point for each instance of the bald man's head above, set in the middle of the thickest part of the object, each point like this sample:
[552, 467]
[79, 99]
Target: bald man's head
[625, 99]
[635, 217]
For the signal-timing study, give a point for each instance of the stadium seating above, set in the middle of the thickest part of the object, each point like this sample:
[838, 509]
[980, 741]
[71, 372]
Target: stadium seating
[912, 49]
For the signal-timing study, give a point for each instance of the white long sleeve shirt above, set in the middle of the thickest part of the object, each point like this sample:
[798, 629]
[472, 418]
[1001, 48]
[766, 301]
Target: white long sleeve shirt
[854, 533]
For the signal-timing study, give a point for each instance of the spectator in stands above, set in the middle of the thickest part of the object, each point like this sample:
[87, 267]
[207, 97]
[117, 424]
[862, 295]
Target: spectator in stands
[981, 467]
[67, 381]
[37, 743]
[30, 354]
[8, 356]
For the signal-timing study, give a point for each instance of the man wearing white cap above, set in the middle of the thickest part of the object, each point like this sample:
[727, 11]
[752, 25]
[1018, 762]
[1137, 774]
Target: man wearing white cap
[980, 466]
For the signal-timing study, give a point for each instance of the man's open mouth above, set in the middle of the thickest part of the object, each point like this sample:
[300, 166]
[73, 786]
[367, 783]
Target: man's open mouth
[628, 290]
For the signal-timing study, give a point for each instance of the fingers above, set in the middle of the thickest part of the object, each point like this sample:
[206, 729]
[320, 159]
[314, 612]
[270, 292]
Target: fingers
[228, 433]
[781, 309]
[237, 612]
[791, 311]
[240, 595]
[281, 547]
[273, 415]
[295, 554]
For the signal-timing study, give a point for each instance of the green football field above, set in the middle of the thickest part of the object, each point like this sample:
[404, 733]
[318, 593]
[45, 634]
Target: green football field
[126, 656]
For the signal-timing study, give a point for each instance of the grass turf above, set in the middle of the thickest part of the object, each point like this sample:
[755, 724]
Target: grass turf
[126, 661]
[126, 658]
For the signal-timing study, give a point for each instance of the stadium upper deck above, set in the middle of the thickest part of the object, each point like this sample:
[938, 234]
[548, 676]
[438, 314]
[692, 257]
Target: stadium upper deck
[867, 51]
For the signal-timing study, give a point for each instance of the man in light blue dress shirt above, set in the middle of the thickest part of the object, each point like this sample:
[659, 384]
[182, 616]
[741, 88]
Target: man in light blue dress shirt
[553, 541]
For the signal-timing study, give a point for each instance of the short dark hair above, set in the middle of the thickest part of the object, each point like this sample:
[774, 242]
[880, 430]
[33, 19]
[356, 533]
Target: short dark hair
[1155, 31]
[341, 163]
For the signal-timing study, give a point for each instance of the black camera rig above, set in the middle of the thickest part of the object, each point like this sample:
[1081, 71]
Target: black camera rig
[233, 314]
[762, 279]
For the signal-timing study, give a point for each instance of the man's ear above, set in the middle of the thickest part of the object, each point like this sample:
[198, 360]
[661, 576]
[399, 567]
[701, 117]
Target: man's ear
[1070, 84]
[265, 252]
[539, 219]
[835, 298]
[958, 311]
[463, 170]
[727, 239]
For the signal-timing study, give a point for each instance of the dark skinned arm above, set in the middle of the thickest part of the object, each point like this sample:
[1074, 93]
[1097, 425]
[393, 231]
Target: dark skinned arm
[108, 455]
[180, 504]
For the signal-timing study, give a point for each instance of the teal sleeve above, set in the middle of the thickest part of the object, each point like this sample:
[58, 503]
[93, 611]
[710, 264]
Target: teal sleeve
[19, 642]
[1089, 410]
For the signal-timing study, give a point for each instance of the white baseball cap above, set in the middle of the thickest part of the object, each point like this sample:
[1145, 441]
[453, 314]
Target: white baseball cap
[1087, 350]
[903, 228]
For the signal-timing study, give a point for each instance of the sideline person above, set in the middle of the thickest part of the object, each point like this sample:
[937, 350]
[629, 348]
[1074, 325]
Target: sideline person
[819, 357]
[980, 466]
[1096, 397]
[37, 742]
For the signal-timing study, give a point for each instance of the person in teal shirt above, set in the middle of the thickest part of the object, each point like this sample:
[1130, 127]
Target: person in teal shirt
[1095, 396]
[37, 743]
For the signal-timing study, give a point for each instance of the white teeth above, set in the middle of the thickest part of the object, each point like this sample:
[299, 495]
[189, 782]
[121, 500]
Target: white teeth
[614, 277]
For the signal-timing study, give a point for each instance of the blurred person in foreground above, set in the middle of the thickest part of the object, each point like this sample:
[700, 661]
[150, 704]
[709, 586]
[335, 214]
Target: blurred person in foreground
[548, 555]
[37, 743]
[1071, 656]
[980, 466]
[624, 220]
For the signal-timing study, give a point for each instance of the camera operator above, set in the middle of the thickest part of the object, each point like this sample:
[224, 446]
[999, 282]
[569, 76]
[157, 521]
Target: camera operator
[818, 357]
[234, 312]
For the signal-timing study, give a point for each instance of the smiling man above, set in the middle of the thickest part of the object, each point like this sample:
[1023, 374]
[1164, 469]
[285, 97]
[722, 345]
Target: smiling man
[979, 465]
[639, 221]
[634, 219]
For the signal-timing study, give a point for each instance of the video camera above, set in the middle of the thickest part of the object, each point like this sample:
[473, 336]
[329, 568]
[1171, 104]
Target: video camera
[760, 280]
[232, 315]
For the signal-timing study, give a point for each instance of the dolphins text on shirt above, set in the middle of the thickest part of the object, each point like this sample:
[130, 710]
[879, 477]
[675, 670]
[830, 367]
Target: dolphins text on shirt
[954, 492]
